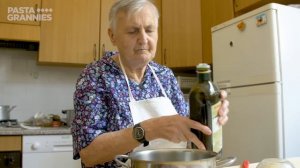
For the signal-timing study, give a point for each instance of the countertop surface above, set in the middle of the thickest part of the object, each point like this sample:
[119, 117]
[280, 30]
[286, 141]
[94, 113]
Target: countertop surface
[36, 131]
[295, 161]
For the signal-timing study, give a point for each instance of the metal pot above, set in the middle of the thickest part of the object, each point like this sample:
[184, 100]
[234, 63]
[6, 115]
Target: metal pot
[70, 114]
[5, 112]
[173, 158]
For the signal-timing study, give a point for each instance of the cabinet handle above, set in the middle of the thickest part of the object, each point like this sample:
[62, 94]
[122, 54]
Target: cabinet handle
[103, 50]
[35, 8]
[165, 56]
[95, 52]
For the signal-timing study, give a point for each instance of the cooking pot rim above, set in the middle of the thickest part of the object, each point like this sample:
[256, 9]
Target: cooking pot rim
[205, 155]
[211, 159]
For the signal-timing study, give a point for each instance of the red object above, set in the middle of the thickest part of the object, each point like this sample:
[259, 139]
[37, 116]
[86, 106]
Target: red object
[56, 123]
[245, 164]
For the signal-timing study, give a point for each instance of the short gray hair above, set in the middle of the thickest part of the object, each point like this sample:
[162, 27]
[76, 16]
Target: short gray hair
[129, 6]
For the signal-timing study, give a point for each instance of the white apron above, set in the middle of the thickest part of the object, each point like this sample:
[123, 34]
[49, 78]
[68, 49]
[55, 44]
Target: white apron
[150, 108]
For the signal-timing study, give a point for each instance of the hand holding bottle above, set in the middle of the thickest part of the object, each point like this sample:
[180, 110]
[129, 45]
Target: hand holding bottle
[223, 111]
[209, 107]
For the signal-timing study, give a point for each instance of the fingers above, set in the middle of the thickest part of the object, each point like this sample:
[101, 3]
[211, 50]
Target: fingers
[200, 127]
[194, 139]
[176, 129]
[223, 120]
[223, 94]
[190, 136]
[223, 111]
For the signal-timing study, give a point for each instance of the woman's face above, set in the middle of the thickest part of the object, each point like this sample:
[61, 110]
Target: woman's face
[136, 37]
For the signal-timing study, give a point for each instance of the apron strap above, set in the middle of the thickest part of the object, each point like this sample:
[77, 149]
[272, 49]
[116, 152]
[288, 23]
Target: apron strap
[158, 81]
[127, 81]
[131, 98]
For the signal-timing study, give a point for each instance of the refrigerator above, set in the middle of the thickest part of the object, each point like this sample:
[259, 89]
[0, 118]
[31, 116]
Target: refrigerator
[256, 59]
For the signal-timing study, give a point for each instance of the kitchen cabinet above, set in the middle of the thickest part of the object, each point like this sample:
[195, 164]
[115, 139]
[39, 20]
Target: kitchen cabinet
[213, 12]
[181, 33]
[17, 20]
[105, 43]
[10, 143]
[10, 151]
[158, 57]
[72, 37]
[184, 37]
[19, 12]
[243, 6]
[77, 35]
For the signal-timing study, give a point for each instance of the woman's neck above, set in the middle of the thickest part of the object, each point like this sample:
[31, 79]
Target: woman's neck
[134, 73]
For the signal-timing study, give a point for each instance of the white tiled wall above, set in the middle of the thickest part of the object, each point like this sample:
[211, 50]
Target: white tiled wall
[34, 88]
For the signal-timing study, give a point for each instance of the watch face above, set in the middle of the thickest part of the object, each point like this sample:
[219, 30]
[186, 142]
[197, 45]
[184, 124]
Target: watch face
[139, 133]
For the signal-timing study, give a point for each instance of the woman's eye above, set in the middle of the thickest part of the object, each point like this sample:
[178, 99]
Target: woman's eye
[149, 31]
[132, 31]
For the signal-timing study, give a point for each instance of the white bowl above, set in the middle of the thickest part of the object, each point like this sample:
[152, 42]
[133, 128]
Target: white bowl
[275, 163]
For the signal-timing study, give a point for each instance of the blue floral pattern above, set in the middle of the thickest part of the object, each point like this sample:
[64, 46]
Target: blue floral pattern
[101, 99]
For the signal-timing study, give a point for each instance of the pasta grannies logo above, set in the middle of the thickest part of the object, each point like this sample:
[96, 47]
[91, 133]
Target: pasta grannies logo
[29, 14]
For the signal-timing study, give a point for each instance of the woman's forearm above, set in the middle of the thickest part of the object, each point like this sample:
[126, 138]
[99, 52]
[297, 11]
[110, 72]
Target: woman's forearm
[106, 146]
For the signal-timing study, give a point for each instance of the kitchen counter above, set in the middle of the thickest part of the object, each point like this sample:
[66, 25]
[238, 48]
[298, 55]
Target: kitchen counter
[39, 131]
[295, 161]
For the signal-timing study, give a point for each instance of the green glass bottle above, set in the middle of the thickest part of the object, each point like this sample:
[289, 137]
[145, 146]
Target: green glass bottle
[204, 100]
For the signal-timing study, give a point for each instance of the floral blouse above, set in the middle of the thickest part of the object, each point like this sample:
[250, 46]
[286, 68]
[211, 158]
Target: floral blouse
[101, 100]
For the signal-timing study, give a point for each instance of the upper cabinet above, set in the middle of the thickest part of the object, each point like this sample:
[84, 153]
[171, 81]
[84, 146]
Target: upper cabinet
[239, 5]
[76, 32]
[105, 43]
[213, 12]
[20, 12]
[72, 36]
[20, 20]
[158, 57]
[181, 33]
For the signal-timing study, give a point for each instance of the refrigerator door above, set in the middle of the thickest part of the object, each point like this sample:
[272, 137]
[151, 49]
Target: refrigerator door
[254, 131]
[239, 58]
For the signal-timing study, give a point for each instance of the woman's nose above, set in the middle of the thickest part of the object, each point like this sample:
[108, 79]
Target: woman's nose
[143, 37]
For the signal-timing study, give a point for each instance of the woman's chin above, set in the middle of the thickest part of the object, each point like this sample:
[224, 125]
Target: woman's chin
[146, 57]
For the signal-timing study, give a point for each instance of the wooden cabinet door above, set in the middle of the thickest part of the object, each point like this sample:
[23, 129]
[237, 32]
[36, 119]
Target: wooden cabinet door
[72, 37]
[10, 143]
[19, 11]
[105, 43]
[182, 35]
[158, 57]
[213, 12]
[241, 4]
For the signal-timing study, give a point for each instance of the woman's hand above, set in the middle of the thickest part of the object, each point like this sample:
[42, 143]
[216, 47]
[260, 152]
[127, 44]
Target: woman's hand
[174, 128]
[223, 111]
[177, 128]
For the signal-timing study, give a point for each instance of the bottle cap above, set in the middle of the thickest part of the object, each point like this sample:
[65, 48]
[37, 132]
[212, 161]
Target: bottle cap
[203, 67]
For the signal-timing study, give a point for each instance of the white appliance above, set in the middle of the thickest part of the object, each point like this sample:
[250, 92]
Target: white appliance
[48, 151]
[256, 58]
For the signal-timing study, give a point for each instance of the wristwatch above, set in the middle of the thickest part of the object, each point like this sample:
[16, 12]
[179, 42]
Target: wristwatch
[138, 134]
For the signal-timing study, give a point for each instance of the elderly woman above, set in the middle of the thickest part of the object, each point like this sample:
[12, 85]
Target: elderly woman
[127, 102]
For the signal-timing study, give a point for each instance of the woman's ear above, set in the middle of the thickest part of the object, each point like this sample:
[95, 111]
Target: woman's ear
[111, 36]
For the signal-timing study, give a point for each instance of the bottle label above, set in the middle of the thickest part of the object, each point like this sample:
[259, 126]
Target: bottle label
[216, 128]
